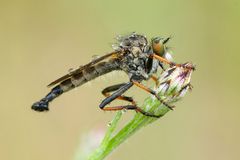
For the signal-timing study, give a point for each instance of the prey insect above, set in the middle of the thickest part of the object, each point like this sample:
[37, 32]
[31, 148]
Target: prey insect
[134, 55]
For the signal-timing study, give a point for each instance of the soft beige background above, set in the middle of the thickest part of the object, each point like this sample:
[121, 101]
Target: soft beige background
[41, 40]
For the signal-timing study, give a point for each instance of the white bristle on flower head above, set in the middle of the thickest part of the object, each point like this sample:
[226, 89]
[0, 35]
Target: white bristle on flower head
[168, 56]
[174, 82]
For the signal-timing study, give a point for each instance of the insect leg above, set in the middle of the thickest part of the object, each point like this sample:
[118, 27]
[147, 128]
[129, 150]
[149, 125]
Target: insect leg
[131, 107]
[121, 88]
[106, 93]
[149, 64]
[116, 94]
[161, 59]
[152, 92]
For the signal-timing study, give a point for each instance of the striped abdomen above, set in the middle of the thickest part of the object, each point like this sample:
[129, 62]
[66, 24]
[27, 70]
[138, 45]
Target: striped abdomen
[88, 74]
[77, 79]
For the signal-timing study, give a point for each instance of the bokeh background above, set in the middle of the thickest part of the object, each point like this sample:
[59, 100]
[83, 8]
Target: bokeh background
[41, 40]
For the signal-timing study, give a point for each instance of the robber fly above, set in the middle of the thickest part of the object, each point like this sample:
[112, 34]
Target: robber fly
[134, 55]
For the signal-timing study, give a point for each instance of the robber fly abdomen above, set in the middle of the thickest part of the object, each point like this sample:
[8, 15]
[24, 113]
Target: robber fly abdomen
[75, 80]
[89, 74]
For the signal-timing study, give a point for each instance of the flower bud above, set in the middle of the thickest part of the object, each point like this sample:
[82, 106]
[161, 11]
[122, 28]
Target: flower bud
[174, 82]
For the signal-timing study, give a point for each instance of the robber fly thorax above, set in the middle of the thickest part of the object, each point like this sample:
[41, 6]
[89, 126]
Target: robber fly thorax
[133, 54]
[134, 61]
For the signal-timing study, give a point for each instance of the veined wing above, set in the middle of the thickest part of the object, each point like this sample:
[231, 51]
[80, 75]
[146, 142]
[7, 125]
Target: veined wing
[78, 70]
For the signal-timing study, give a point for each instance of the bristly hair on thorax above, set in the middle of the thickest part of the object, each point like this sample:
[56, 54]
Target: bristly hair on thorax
[137, 49]
[132, 40]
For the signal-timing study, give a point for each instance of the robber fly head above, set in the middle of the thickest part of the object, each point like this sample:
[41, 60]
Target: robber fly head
[158, 45]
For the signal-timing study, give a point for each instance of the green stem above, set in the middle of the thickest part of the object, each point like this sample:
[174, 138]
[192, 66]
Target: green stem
[112, 127]
[99, 152]
[110, 142]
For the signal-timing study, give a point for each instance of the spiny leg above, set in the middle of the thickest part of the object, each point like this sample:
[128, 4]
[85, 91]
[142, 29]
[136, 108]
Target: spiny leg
[131, 107]
[106, 93]
[161, 59]
[121, 89]
[149, 64]
[152, 92]
[115, 95]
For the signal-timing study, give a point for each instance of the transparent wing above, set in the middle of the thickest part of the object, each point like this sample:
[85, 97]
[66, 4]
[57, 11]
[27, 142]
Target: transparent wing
[78, 70]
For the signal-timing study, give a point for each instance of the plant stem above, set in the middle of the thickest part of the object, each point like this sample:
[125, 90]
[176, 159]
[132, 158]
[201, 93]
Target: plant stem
[99, 152]
[110, 142]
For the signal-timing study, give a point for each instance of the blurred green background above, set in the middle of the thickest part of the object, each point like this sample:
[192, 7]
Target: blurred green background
[41, 40]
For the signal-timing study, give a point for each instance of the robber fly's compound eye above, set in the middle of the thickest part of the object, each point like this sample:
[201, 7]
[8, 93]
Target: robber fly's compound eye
[155, 40]
[158, 46]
